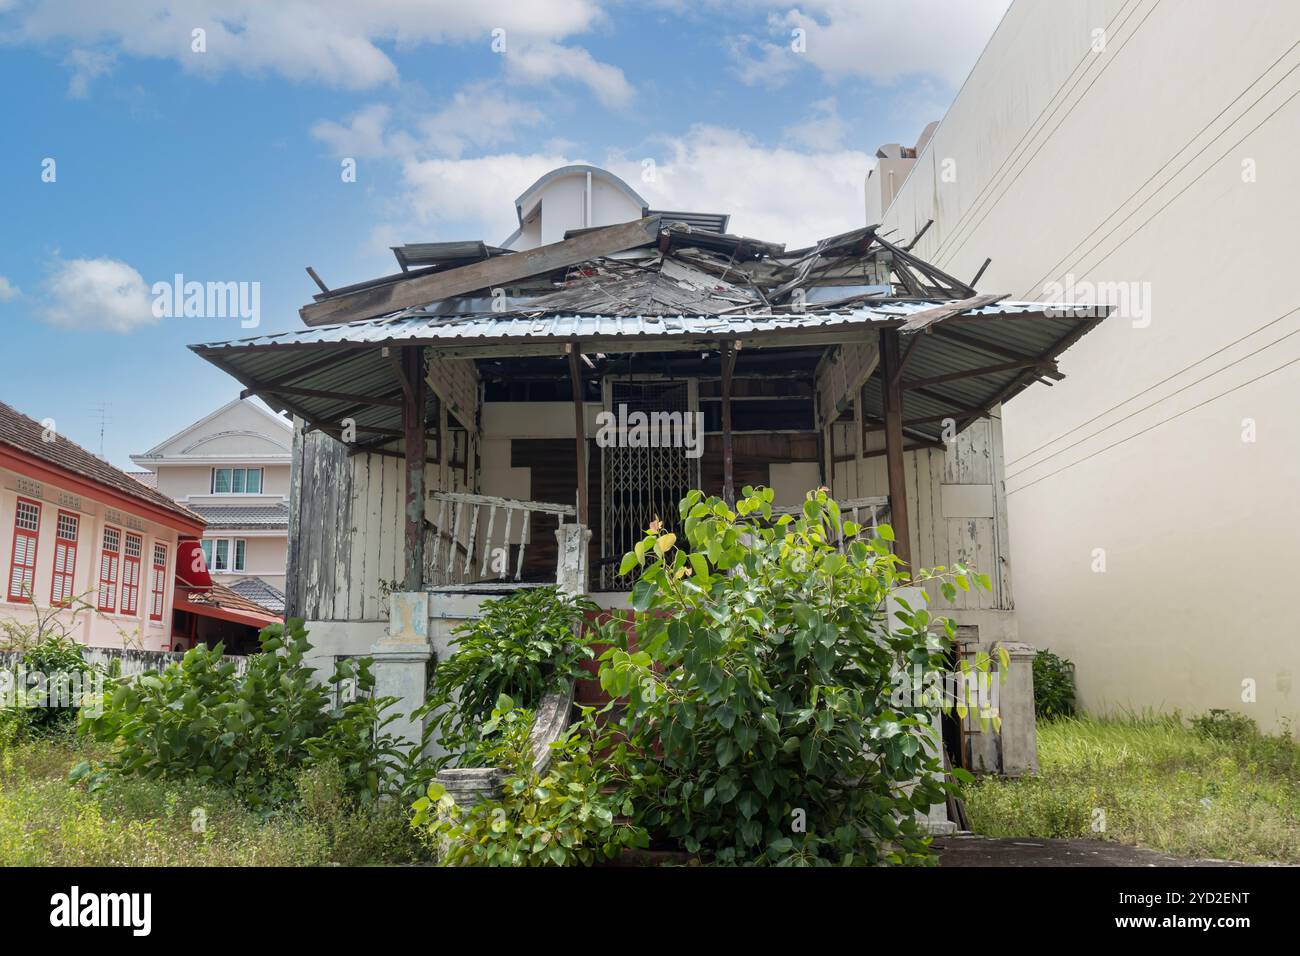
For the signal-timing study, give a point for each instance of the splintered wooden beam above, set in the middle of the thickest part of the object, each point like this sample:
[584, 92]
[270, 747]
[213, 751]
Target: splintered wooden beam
[491, 273]
[920, 321]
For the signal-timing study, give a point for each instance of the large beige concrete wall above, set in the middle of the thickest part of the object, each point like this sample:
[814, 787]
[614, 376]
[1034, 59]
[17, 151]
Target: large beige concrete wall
[1162, 160]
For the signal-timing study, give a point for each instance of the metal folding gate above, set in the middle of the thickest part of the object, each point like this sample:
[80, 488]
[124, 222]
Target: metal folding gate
[639, 484]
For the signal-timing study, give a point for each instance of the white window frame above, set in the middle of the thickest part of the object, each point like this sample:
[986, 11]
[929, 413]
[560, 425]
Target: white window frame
[236, 554]
[244, 472]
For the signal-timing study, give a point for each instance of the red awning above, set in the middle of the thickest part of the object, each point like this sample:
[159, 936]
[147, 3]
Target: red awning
[222, 612]
[190, 566]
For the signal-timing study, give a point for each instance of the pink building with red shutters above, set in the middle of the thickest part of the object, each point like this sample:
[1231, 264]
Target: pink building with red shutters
[85, 541]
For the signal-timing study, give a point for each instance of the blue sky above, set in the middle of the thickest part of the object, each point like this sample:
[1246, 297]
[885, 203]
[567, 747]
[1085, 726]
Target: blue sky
[224, 163]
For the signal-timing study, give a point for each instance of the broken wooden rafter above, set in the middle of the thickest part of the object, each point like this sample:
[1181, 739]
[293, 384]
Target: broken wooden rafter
[921, 321]
[420, 290]
[261, 387]
[1044, 364]
[917, 237]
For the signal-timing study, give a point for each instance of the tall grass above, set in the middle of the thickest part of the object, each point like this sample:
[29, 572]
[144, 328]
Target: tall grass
[1220, 790]
[131, 821]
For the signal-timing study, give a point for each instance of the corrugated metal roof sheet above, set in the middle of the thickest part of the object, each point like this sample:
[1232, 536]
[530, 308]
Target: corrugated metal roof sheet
[413, 327]
[978, 340]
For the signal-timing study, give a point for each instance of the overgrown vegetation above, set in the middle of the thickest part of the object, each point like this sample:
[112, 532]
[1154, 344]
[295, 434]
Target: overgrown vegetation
[198, 765]
[132, 821]
[522, 646]
[756, 702]
[1215, 789]
[41, 695]
[751, 720]
[1054, 691]
[574, 814]
[254, 732]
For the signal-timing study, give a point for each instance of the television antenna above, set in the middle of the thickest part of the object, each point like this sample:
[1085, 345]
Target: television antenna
[101, 412]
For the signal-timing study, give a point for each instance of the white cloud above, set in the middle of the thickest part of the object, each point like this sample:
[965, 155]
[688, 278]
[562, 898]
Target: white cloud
[537, 62]
[475, 194]
[363, 136]
[822, 128]
[335, 42]
[103, 294]
[87, 65]
[785, 195]
[878, 40]
[478, 116]
[8, 291]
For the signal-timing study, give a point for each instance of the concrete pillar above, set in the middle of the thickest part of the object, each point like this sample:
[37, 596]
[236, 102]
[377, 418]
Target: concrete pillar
[571, 562]
[402, 661]
[936, 819]
[1016, 708]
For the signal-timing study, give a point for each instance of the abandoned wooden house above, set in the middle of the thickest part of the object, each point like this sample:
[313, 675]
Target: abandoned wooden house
[489, 419]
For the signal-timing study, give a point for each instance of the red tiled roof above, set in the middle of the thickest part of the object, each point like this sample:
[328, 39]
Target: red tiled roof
[26, 435]
[222, 602]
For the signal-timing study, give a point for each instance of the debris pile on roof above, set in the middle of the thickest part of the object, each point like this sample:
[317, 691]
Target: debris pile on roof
[648, 267]
[655, 286]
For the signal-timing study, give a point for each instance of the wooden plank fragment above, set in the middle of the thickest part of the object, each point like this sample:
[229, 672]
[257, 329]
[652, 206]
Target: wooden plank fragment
[490, 273]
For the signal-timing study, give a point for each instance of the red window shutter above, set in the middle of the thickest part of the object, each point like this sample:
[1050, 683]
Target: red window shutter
[22, 565]
[65, 558]
[131, 574]
[108, 566]
[159, 582]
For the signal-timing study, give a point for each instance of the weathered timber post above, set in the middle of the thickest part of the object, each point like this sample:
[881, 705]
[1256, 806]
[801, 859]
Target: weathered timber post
[892, 390]
[728, 468]
[413, 392]
[579, 428]
[1019, 733]
[402, 656]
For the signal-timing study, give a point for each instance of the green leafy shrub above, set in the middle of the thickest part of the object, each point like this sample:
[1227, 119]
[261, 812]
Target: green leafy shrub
[253, 732]
[1219, 724]
[571, 815]
[55, 675]
[522, 646]
[755, 706]
[1054, 692]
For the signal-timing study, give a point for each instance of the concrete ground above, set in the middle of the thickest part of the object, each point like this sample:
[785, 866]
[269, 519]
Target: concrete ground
[973, 850]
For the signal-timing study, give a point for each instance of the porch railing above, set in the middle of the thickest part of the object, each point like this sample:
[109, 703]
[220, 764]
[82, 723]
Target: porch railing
[867, 512]
[456, 553]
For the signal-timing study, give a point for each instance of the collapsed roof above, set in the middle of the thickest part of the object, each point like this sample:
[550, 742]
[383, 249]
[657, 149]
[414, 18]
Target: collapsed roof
[655, 285]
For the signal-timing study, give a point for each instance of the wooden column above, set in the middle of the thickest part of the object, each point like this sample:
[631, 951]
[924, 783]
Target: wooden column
[412, 373]
[894, 465]
[579, 431]
[728, 461]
